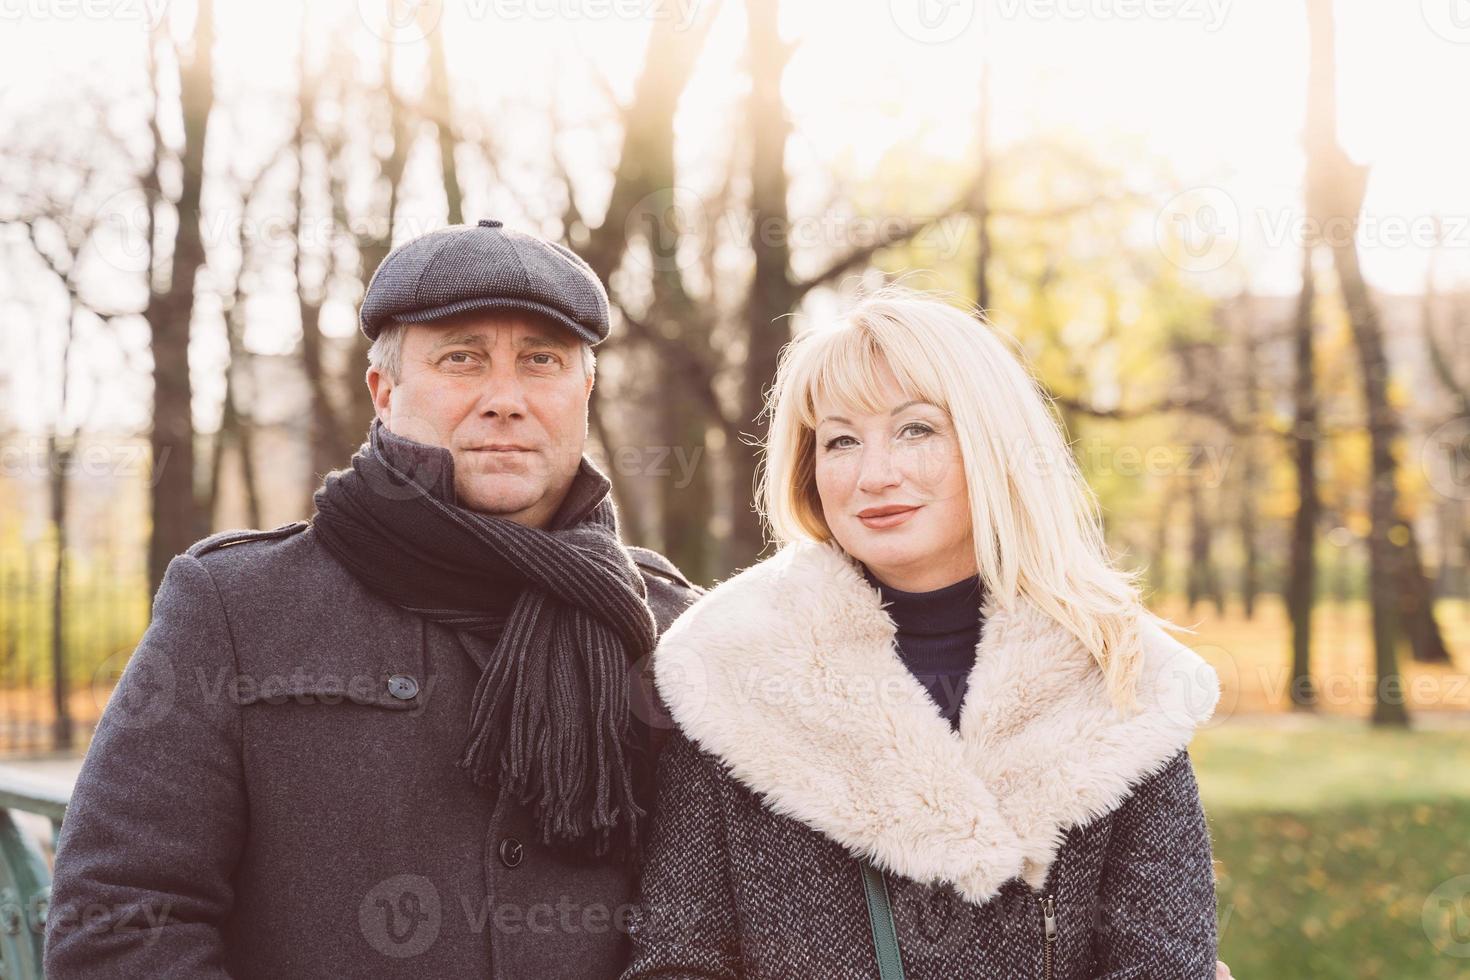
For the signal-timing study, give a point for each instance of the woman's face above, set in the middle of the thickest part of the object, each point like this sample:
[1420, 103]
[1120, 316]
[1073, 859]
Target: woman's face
[892, 487]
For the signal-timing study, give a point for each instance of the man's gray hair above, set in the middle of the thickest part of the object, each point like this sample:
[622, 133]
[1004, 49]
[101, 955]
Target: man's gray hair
[386, 352]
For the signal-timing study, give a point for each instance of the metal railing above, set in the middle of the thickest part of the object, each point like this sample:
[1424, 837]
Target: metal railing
[25, 875]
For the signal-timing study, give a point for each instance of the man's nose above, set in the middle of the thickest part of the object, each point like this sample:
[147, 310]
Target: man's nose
[503, 397]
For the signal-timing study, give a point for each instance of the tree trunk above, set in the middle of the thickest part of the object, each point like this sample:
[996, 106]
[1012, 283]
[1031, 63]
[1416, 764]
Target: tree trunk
[59, 453]
[1158, 567]
[1301, 584]
[1200, 582]
[325, 438]
[372, 249]
[235, 426]
[685, 491]
[1335, 190]
[1415, 601]
[177, 517]
[1454, 565]
[245, 444]
[645, 205]
[771, 295]
[1388, 708]
[982, 194]
[214, 481]
[630, 516]
[1250, 463]
[440, 106]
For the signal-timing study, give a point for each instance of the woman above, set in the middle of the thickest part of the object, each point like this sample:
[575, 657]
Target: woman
[936, 735]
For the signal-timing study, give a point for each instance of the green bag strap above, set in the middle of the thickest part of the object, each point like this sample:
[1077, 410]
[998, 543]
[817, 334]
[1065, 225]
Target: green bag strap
[880, 915]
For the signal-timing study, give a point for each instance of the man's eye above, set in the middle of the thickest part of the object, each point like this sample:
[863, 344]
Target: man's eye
[459, 357]
[549, 360]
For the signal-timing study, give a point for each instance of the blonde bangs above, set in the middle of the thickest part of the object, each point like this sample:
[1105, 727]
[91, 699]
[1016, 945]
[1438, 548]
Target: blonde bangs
[845, 367]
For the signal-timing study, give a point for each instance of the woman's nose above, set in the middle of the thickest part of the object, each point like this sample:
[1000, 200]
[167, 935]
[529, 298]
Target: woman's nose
[877, 471]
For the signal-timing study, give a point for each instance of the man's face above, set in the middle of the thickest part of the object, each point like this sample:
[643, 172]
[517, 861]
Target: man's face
[506, 394]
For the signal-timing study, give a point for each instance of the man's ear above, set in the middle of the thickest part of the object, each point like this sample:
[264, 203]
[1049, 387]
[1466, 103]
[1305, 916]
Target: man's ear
[381, 387]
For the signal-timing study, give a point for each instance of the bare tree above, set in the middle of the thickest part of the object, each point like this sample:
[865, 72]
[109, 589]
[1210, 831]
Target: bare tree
[1301, 584]
[236, 429]
[984, 179]
[1441, 358]
[1444, 357]
[391, 142]
[1336, 187]
[58, 232]
[1247, 336]
[177, 518]
[643, 210]
[438, 108]
[326, 436]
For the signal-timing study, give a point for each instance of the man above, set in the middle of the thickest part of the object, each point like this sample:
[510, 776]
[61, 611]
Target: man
[406, 739]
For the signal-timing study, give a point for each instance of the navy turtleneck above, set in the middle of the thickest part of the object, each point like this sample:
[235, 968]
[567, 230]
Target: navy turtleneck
[938, 632]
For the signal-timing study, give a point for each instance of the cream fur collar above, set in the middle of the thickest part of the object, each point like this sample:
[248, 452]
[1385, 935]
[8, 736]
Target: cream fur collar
[787, 673]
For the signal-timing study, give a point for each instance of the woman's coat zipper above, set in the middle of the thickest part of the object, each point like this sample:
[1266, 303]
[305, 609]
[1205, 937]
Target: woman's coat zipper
[1049, 940]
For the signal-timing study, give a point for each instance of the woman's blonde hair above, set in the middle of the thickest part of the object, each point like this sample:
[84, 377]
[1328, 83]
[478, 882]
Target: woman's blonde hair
[1036, 527]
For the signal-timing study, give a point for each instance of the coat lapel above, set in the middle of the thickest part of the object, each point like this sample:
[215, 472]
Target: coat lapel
[787, 673]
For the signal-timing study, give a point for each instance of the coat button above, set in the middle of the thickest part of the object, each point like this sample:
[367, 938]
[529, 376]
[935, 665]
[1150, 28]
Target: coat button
[511, 852]
[403, 687]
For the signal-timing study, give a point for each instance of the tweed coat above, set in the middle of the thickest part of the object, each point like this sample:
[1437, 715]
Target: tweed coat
[272, 793]
[1050, 837]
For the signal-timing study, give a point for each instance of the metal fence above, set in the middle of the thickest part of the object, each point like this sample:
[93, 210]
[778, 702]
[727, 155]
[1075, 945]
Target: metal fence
[104, 605]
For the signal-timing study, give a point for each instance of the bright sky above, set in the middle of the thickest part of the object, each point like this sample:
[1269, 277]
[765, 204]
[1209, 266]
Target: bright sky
[1215, 88]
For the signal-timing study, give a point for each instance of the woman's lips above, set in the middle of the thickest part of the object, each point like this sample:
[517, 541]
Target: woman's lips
[891, 519]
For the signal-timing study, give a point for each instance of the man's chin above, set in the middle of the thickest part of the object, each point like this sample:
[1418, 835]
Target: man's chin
[500, 496]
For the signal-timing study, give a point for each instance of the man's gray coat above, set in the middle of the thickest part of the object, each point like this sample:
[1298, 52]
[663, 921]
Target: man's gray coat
[272, 793]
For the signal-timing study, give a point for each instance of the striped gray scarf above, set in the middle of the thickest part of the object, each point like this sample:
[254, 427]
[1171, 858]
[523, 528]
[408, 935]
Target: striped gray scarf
[551, 722]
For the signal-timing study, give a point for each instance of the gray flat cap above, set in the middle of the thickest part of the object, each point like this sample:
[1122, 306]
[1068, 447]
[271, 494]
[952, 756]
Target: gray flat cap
[485, 267]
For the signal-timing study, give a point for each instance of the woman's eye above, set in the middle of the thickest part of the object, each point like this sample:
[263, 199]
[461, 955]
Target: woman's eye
[917, 429]
[833, 442]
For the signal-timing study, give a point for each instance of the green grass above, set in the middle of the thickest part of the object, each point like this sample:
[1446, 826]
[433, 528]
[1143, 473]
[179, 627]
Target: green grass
[1337, 849]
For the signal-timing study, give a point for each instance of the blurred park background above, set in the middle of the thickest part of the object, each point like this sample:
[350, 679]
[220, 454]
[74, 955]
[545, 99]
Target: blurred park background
[1231, 237]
